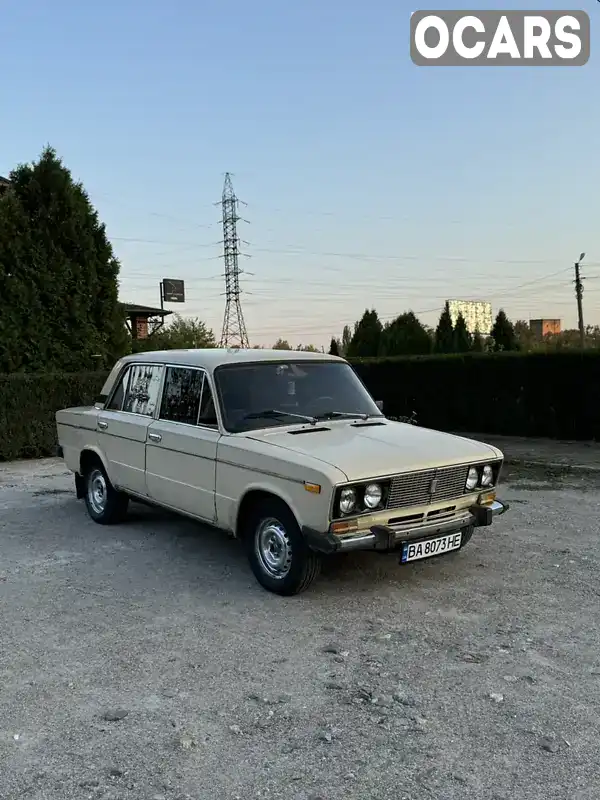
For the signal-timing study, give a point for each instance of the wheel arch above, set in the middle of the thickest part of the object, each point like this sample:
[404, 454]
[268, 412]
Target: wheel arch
[91, 455]
[252, 497]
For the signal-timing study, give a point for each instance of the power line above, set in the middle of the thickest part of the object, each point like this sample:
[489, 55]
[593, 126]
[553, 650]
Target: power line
[344, 290]
[301, 251]
[313, 328]
[161, 241]
[234, 332]
[308, 284]
[309, 212]
[292, 249]
[150, 213]
[400, 284]
[336, 319]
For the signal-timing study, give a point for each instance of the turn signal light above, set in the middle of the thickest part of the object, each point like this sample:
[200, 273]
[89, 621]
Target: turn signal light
[344, 526]
[314, 488]
[487, 497]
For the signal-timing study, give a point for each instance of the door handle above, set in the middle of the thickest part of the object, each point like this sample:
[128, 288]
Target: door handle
[102, 425]
[155, 437]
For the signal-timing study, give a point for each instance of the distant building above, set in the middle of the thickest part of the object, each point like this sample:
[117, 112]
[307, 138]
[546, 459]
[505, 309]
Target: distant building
[544, 327]
[477, 315]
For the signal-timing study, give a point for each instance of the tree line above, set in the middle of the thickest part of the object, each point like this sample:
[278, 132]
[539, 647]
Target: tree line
[407, 335]
[185, 333]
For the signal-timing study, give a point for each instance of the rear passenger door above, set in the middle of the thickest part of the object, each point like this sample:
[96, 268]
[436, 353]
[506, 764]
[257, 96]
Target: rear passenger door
[181, 448]
[123, 423]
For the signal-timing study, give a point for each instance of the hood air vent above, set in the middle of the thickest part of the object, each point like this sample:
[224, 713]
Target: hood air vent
[308, 430]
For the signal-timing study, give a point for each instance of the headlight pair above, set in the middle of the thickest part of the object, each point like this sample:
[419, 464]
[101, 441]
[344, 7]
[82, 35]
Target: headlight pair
[360, 498]
[479, 477]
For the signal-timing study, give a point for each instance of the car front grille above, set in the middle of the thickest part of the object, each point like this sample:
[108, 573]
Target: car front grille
[427, 486]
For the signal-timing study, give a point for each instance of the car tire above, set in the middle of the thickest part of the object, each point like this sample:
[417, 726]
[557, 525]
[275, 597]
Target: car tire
[279, 556]
[467, 533]
[104, 503]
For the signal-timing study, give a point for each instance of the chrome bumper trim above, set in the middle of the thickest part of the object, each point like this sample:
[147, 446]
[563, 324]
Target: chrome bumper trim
[498, 507]
[388, 537]
[365, 541]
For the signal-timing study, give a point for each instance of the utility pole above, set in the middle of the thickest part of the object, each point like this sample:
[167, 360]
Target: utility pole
[234, 332]
[579, 294]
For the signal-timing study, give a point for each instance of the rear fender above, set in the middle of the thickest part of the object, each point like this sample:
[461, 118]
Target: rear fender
[89, 451]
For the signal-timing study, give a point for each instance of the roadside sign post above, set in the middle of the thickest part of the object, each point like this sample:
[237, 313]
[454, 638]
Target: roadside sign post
[172, 290]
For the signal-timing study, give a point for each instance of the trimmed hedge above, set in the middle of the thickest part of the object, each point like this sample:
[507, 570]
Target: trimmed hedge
[554, 395]
[28, 404]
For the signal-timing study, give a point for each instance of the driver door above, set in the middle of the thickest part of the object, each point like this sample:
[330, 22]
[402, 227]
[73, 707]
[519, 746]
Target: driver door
[181, 446]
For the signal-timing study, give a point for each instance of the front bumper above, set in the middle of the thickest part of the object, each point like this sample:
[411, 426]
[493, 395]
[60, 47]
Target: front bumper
[386, 538]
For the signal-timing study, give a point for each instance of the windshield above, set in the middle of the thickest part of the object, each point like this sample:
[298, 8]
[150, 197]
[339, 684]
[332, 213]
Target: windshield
[270, 393]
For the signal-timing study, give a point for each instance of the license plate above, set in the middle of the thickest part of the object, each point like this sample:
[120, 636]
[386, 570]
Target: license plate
[415, 551]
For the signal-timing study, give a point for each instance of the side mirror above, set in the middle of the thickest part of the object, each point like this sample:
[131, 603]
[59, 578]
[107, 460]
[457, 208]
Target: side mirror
[379, 404]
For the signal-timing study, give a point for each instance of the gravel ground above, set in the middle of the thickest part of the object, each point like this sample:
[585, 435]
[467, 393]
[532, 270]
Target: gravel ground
[143, 662]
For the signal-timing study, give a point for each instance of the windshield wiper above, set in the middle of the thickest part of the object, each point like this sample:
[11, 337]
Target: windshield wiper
[346, 415]
[273, 413]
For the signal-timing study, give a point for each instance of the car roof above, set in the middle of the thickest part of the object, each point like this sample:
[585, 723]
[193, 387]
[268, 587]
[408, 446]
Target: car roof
[213, 357]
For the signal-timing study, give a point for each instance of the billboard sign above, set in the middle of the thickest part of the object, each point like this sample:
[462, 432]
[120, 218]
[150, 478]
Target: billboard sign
[172, 290]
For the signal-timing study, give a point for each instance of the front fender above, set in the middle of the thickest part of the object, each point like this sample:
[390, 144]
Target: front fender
[309, 509]
[266, 488]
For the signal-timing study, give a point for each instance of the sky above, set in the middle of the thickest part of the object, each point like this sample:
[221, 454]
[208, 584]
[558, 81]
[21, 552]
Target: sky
[369, 182]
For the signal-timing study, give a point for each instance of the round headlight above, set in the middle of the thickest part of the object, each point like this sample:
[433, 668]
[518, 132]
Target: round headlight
[472, 479]
[487, 476]
[373, 495]
[347, 500]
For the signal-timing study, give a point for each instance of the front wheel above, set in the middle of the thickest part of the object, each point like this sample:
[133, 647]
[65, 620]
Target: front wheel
[279, 557]
[467, 534]
[104, 503]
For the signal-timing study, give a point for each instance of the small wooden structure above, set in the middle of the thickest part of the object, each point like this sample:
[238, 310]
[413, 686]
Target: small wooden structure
[143, 321]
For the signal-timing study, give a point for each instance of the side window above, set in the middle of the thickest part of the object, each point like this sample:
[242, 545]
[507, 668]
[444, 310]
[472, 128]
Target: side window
[116, 401]
[141, 396]
[207, 415]
[181, 397]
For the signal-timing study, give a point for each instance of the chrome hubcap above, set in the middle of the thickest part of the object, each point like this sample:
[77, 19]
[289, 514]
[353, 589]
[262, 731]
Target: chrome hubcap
[273, 548]
[97, 491]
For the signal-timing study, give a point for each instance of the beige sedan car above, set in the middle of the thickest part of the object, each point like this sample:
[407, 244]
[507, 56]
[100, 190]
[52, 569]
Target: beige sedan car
[286, 451]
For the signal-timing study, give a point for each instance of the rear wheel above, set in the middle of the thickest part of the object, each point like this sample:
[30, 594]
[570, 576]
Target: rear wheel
[104, 503]
[279, 557]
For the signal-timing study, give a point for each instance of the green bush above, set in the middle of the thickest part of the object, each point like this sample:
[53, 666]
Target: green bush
[555, 395]
[28, 404]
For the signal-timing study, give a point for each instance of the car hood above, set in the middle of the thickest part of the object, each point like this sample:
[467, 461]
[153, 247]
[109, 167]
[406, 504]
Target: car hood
[371, 451]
